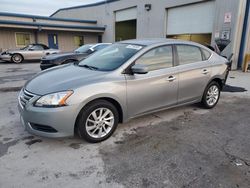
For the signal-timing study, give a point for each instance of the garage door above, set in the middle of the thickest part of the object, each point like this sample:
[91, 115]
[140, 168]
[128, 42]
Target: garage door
[125, 24]
[192, 19]
[126, 14]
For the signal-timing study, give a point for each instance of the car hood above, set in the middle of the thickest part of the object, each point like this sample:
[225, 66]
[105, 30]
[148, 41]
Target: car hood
[61, 55]
[62, 78]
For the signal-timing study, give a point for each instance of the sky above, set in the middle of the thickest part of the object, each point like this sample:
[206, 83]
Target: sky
[39, 7]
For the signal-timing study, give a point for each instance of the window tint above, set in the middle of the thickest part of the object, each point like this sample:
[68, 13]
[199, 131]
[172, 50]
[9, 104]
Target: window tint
[206, 53]
[157, 58]
[188, 54]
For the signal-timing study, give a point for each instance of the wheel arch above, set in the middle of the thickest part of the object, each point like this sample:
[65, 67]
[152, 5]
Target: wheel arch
[109, 99]
[17, 54]
[219, 80]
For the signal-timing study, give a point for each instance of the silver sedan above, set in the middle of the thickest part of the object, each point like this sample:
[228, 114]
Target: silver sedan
[30, 52]
[123, 81]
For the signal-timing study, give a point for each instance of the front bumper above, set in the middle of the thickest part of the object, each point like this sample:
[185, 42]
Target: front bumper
[44, 66]
[61, 119]
[5, 57]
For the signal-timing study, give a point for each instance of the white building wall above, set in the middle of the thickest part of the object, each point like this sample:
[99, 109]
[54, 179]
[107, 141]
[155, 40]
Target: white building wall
[153, 24]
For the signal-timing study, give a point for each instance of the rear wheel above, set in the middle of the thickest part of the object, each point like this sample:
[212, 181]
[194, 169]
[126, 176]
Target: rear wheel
[97, 121]
[211, 95]
[17, 58]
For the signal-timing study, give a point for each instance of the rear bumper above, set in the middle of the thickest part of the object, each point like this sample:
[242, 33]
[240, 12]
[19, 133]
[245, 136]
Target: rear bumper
[229, 67]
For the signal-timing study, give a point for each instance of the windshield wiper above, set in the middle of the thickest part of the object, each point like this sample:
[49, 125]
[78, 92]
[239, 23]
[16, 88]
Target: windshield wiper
[89, 67]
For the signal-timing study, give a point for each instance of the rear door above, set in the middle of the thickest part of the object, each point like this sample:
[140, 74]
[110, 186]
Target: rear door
[194, 72]
[156, 89]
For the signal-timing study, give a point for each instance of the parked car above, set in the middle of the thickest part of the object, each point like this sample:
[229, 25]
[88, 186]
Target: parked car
[64, 58]
[123, 81]
[30, 52]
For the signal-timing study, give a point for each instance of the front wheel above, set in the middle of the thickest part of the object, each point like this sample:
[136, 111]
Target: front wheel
[97, 121]
[211, 95]
[17, 58]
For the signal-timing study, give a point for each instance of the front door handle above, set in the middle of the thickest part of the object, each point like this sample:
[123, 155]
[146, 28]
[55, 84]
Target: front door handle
[205, 71]
[171, 78]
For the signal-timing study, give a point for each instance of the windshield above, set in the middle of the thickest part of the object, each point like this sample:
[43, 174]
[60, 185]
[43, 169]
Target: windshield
[26, 47]
[84, 48]
[111, 57]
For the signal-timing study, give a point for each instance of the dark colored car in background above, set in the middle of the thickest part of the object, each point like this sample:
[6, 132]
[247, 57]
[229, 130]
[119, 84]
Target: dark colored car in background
[75, 56]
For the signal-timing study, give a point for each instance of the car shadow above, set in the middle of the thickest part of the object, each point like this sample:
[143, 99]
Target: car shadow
[233, 89]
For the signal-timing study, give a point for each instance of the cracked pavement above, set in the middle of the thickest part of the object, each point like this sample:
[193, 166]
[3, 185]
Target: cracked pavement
[181, 147]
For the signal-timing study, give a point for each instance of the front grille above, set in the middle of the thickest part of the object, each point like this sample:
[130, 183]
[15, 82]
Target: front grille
[43, 128]
[25, 97]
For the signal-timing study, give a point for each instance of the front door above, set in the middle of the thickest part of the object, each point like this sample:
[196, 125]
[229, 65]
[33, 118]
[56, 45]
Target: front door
[35, 52]
[194, 73]
[156, 89]
[53, 41]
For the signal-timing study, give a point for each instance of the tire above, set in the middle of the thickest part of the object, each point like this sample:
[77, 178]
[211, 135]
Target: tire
[96, 129]
[17, 58]
[211, 95]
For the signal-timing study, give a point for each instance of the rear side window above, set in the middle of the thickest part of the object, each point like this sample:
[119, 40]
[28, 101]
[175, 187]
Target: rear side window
[157, 58]
[188, 54]
[206, 54]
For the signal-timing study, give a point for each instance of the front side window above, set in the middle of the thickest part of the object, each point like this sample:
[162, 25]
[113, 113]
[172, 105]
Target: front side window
[111, 57]
[188, 54]
[157, 58]
[22, 39]
[79, 40]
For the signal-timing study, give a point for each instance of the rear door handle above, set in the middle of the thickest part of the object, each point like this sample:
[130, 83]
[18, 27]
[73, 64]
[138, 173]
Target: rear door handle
[205, 71]
[171, 78]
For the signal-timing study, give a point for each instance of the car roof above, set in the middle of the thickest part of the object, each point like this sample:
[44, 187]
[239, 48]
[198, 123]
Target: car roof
[147, 42]
[154, 41]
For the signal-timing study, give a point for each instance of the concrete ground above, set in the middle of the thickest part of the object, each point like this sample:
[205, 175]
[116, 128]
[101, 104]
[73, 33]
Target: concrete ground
[182, 147]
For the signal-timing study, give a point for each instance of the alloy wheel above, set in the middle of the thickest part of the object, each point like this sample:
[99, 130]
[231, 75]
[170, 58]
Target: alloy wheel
[17, 58]
[100, 122]
[212, 95]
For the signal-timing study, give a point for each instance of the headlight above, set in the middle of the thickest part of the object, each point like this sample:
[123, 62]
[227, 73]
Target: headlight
[54, 99]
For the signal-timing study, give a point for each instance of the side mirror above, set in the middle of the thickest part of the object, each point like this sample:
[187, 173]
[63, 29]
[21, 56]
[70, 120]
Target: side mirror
[139, 69]
[31, 49]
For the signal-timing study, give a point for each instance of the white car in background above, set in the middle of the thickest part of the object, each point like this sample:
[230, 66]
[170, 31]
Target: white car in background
[30, 52]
